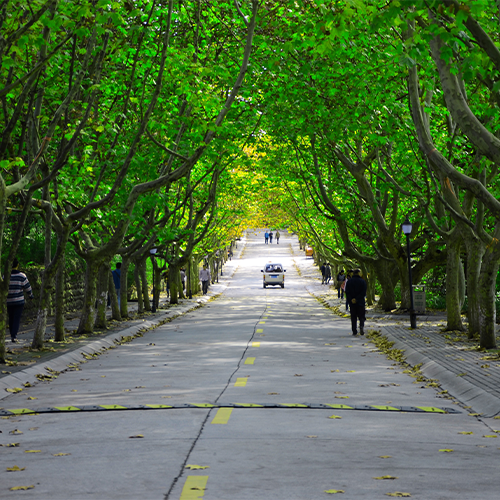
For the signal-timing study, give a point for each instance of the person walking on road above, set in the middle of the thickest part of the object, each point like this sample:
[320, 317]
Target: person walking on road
[266, 237]
[340, 282]
[18, 285]
[277, 237]
[328, 274]
[205, 279]
[323, 270]
[183, 278]
[355, 291]
[117, 278]
[271, 237]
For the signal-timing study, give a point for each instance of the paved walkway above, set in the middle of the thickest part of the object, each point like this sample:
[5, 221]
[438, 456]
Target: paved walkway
[262, 393]
[473, 377]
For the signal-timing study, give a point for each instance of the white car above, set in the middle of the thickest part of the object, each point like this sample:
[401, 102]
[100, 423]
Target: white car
[274, 274]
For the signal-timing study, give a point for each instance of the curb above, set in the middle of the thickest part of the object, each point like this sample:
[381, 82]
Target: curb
[481, 401]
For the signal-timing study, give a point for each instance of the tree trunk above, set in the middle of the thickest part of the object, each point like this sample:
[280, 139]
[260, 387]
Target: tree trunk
[137, 279]
[144, 282]
[453, 264]
[387, 301]
[43, 307]
[115, 310]
[487, 309]
[124, 287]
[475, 252]
[60, 300]
[88, 313]
[3, 320]
[157, 282]
[173, 278]
[101, 321]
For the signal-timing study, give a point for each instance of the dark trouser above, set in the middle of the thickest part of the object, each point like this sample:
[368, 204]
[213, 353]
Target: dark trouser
[357, 311]
[204, 287]
[341, 293]
[14, 311]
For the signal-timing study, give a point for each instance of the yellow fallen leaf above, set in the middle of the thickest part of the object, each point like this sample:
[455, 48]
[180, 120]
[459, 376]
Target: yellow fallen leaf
[332, 492]
[32, 451]
[350, 371]
[334, 371]
[11, 445]
[334, 416]
[490, 436]
[6, 372]
[166, 397]
[466, 432]
[74, 390]
[342, 397]
[386, 477]
[474, 414]
[15, 468]
[16, 431]
[445, 450]
[311, 436]
[17, 488]
[273, 393]
[136, 436]
[398, 494]
[196, 467]
[497, 417]
[33, 428]
[331, 343]
[385, 456]
[15, 389]
[31, 398]
[61, 454]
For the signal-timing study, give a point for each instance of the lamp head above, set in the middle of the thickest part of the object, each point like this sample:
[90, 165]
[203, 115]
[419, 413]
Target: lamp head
[407, 227]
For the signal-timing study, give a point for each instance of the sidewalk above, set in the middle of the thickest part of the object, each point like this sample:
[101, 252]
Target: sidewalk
[28, 367]
[471, 376]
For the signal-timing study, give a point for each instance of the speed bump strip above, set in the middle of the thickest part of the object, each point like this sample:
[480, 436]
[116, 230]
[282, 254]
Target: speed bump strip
[311, 406]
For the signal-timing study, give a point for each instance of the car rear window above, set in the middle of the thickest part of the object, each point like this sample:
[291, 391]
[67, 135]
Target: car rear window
[274, 268]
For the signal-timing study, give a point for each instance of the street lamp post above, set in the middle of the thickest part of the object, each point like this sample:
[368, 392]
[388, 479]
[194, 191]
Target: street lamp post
[152, 253]
[407, 227]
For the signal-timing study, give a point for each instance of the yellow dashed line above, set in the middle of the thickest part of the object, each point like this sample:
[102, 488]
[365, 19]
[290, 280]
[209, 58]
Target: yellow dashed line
[255, 344]
[194, 487]
[222, 416]
[20, 411]
[67, 408]
[341, 407]
[248, 405]
[113, 407]
[381, 407]
[158, 406]
[241, 382]
[249, 361]
[431, 409]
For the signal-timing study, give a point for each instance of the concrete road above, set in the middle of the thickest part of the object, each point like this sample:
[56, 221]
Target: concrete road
[300, 408]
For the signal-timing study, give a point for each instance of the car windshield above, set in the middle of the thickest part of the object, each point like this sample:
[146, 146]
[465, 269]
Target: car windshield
[274, 268]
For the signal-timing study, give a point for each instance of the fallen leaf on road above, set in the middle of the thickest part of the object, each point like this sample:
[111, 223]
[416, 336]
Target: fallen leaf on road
[350, 371]
[14, 390]
[474, 414]
[15, 468]
[332, 492]
[385, 456]
[490, 436]
[386, 477]
[340, 383]
[466, 432]
[32, 451]
[335, 371]
[17, 488]
[196, 467]
[273, 393]
[311, 436]
[140, 387]
[331, 343]
[33, 428]
[398, 494]
[334, 416]
[74, 390]
[6, 372]
[342, 397]
[444, 450]
[31, 398]
[27, 384]
[11, 445]
[166, 397]
[16, 431]
[61, 454]
[126, 390]
[137, 436]
[298, 375]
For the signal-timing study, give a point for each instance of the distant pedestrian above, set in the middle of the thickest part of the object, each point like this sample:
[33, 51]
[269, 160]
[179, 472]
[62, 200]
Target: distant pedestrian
[18, 285]
[205, 279]
[117, 279]
[356, 292]
[347, 278]
[323, 270]
[340, 281]
[266, 237]
[183, 278]
[277, 237]
[328, 274]
[271, 237]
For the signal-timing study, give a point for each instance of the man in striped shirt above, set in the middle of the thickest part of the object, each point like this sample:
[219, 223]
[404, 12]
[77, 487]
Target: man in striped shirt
[15, 299]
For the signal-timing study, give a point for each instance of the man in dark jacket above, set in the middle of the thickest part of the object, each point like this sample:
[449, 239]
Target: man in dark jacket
[355, 290]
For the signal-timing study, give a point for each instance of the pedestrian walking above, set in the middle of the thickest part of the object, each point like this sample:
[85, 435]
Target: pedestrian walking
[340, 281]
[355, 291]
[266, 237]
[328, 274]
[205, 279]
[271, 237]
[277, 237]
[323, 270]
[18, 286]
[347, 278]
[117, 279]
[183, 278]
